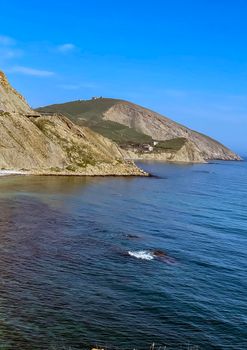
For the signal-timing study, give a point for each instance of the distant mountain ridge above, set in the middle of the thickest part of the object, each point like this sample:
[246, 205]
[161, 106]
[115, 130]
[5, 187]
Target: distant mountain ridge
[142, 133]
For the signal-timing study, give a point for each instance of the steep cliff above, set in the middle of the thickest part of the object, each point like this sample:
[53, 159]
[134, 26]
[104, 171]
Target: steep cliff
[52, 144]
[10, 100]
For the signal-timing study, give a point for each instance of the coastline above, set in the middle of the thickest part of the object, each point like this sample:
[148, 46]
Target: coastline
[105, 170]
[12, 172]
[88, 172]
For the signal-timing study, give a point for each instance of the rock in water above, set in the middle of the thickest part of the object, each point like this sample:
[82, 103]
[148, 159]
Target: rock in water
[159, 253]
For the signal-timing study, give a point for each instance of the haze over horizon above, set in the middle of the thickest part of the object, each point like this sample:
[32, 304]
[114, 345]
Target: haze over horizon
[184, 60]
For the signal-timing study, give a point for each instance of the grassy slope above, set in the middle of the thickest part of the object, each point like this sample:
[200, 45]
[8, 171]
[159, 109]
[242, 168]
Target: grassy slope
[172, 144]
[90, 112]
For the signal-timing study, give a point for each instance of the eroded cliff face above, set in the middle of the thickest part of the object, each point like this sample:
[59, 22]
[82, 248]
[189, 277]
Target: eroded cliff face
[10, 100]
[53, 144]
[188, 153]
[161, 128]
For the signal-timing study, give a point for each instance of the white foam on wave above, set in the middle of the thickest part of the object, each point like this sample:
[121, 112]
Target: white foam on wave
[11, 172]
[141, 254]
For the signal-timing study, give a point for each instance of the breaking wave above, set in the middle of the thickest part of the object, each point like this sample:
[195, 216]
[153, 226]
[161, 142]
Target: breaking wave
[141, 254]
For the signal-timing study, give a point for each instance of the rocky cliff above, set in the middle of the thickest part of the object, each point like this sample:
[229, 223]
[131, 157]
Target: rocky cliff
[10, 100]
[160, 128]
[52, 144]
[142, 133]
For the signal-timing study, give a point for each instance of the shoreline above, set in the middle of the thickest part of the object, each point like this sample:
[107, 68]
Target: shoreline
[12, 172]
[4, 173]
[139, 173]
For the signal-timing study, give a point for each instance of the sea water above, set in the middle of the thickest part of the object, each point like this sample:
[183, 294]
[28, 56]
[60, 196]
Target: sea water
[125, 262]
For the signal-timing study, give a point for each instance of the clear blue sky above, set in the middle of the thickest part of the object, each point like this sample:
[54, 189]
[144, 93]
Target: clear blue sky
[185, 59]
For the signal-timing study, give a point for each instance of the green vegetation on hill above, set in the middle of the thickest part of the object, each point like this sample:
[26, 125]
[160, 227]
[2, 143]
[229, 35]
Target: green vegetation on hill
[87, 109]
[172, 145]
[90, 113]
[119, 133]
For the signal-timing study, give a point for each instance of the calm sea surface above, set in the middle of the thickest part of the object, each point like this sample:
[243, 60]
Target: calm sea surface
[125, 262]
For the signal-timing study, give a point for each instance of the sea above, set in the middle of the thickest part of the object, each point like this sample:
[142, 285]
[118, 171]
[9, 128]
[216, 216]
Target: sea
[125, 262]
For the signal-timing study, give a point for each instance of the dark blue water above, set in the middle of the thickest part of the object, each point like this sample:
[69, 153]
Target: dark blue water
[68, 281]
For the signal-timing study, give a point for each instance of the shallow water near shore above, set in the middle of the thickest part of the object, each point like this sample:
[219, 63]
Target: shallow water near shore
[125, 262]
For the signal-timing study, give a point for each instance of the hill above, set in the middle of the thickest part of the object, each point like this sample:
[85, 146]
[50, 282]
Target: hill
[140, 132]
[90, 113]
[48, 144]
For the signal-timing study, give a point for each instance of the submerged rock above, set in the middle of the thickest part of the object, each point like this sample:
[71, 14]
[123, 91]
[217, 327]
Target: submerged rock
[132, 236]
[159, 253]
[149, 255]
